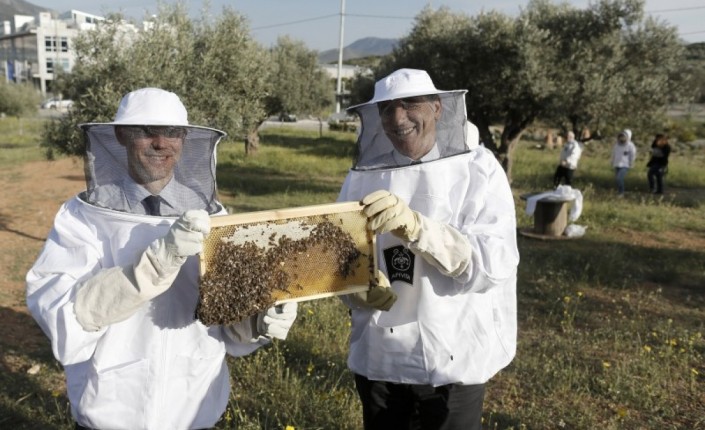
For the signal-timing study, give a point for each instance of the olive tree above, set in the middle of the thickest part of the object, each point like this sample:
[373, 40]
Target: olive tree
[612, 66]
[218, 70]
[299, 84]
[604, 66]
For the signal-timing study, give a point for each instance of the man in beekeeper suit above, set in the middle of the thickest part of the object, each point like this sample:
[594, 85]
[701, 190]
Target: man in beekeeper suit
[444, 212]
[116, 286]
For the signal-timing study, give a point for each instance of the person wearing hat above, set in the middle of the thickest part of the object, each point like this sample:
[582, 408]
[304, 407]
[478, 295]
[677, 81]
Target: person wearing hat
[623, 156]
[444, 214]
[115, 287]
[568, 162]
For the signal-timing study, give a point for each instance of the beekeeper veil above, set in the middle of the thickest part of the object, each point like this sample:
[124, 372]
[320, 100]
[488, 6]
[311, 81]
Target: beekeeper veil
[151, 150]
[396, 113]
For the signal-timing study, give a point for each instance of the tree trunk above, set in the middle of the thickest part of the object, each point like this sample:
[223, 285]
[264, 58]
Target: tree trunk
[252, 142]
[510, 137]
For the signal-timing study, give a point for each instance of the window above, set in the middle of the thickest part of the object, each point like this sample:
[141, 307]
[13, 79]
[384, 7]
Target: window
[49, 44]
[50, 65]
[64, 44]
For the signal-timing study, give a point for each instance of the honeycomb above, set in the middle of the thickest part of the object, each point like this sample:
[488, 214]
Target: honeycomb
[253, 261]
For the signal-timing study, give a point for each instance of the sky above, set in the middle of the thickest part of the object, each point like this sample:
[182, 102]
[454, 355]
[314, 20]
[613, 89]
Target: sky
[317, 22]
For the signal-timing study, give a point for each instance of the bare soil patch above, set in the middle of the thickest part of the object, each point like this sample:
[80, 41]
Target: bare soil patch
[30, 194]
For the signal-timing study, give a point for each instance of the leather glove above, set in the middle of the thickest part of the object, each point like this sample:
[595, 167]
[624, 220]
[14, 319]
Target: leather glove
[380, 296]
[388, 213]
[276, 321]
[113, 294]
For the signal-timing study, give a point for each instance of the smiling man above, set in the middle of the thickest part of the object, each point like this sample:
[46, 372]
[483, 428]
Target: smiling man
[116, 286]
[444, 215]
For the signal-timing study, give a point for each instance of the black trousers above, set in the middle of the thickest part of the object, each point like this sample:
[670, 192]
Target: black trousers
[390, 406]
[655, 176]
[563, 173]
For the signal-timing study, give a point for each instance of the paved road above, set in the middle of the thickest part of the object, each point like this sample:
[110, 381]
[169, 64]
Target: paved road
[308, 124]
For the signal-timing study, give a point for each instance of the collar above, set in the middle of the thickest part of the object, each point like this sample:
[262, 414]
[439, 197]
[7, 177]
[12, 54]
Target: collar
[135, 193]
[402, 160]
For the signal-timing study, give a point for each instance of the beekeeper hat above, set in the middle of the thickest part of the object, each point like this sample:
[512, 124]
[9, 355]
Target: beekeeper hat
[151, 106]
[404, 83]
[108, 163]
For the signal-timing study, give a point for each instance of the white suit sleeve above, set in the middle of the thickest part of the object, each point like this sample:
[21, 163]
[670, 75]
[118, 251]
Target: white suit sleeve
[62, 264]
[481, 251]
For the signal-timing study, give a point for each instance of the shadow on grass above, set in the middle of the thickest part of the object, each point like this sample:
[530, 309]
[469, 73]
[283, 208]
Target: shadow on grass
[550, 268]
[326, 146]
[24, 402]
[259, 181]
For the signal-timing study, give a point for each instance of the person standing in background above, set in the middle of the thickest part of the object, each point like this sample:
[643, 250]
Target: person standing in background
[658, 163]
[623, 156]
[570, 154]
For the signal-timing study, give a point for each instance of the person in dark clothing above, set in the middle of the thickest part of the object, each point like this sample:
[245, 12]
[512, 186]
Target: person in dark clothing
[658, 163]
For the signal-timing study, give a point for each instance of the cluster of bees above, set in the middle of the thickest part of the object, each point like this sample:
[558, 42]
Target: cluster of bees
[242, 279]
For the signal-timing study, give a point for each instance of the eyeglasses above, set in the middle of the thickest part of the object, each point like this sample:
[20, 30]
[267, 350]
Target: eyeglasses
[144, 131]
[409, 104]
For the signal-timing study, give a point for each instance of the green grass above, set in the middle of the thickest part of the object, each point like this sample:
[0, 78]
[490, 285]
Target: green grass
[611, 325]
[19, 140]
[292, 168]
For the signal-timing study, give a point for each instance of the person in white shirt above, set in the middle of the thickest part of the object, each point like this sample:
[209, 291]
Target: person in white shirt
[570, 155]
[623, 156]
[115, 287]
[444, 214]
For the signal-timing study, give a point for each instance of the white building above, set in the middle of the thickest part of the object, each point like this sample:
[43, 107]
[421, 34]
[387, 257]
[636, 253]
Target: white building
[346, 71]
[33, 49]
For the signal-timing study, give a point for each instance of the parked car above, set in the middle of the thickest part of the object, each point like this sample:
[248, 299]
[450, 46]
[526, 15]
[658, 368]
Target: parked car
[287, 117]
[55, 103]
[343, 121]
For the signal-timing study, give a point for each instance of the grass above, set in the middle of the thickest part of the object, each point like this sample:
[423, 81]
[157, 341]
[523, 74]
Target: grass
[19, 140]
[610, 325]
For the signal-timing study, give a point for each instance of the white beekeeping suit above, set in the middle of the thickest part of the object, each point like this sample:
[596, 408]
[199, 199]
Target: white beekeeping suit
[115, 289]
[454, 320]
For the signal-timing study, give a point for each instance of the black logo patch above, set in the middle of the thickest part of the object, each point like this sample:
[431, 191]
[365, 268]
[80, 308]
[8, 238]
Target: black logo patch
[400, 264]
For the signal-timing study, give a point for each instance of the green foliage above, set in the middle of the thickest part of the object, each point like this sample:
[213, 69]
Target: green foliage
[216, 68]
[18, 100]
[19, 139]
[600, 67]
[299, 85]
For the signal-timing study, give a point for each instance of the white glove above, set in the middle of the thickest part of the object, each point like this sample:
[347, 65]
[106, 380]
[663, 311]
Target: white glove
[185, 238]
[389, 213]
[276, 321]
[380, 295]
[113, 294]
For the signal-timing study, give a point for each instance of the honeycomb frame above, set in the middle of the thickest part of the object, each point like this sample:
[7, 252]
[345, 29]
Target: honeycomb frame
[266, 229]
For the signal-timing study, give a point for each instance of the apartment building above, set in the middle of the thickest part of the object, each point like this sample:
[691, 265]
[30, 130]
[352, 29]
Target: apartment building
[34, 48]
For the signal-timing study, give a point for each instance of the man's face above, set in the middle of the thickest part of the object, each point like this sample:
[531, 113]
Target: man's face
[622, 138]
[152, 153]
[410, 123]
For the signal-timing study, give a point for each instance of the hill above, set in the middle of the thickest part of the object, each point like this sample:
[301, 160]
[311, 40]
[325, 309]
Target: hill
[366, 47]
[10, 8]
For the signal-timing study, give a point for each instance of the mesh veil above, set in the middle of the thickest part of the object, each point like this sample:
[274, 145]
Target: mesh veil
[450, 132]
[106, 165]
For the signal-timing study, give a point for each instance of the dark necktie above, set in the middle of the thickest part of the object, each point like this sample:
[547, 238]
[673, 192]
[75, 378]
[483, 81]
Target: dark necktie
[151, 205]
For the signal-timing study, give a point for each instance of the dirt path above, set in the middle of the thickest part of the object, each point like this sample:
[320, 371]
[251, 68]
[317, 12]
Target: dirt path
[30, 195]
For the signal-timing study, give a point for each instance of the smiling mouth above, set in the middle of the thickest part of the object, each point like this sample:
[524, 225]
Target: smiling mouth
[401, 132]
